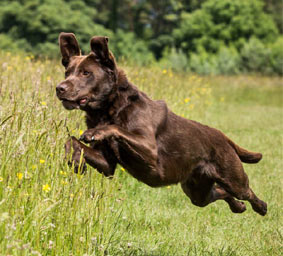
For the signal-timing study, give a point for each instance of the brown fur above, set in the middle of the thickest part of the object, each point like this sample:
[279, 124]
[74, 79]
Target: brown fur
[155, 145]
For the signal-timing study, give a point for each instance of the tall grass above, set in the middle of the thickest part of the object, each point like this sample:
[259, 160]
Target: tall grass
[46, 209]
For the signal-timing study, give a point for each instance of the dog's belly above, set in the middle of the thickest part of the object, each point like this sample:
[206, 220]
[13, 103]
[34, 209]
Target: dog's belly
[151, 177]
[162, 174]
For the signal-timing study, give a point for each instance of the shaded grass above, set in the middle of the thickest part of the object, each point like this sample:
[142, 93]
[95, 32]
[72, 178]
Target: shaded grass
[46, 209]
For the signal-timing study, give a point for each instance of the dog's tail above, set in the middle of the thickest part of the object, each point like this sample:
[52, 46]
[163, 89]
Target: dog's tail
[245, 155]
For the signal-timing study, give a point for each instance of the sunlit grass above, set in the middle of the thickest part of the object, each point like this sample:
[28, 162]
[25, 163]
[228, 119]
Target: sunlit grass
[46, 209]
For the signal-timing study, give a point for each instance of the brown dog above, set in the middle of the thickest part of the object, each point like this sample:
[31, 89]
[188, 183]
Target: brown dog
[155, 146]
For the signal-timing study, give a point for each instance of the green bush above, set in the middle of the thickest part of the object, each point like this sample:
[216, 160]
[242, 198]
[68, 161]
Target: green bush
[227, 37]
[128, 46]
[225, 22]
[174, 59]
[276, 56]
[203, 63]
[6, 43]
[226, 61]
[255, 57]
[264, 58]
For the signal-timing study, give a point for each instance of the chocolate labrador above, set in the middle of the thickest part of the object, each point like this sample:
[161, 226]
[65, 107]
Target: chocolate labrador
[152, 143]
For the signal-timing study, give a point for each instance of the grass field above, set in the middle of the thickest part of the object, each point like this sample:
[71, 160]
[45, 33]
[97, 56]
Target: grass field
[45, 209]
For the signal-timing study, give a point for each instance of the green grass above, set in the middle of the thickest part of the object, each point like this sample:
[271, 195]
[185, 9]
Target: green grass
[46, 209]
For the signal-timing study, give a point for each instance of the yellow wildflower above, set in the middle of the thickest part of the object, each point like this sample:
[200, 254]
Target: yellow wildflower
[43, 103]
[63, 173]
[33, 166]
[123, 169]
[42, 161]
[64, 182]
[46, 188]
[48, 78]
[222, 99]
[20, 175]
[164, 71]
[9, 68]
[27, 58]
[186, 100]
[71, 195]
[1, 179]
[81, 132]
[168, 187]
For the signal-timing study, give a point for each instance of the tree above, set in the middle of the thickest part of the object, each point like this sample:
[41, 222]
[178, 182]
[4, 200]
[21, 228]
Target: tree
[275, 8]
[225, 22]
[39, 23]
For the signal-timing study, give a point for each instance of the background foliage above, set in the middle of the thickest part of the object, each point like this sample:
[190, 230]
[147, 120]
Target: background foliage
[207, 37]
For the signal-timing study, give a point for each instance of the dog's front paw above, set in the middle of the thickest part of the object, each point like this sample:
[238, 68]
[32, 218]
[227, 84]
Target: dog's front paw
[91, 135]
[96, 134]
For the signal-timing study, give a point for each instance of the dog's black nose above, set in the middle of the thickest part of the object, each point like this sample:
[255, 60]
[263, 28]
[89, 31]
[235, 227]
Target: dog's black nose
[61, 88]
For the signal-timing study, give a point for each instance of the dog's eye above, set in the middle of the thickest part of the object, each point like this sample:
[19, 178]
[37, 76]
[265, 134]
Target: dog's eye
[86, 73]
[67, 73]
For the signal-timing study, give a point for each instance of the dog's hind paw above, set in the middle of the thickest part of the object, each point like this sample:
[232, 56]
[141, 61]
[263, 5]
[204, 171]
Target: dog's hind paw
[238, 207]
[260, 208]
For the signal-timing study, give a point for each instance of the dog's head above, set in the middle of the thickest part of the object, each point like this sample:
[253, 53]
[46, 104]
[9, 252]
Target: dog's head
[89, 79]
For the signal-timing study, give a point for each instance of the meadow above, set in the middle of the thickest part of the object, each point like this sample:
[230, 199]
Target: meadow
[46, 209]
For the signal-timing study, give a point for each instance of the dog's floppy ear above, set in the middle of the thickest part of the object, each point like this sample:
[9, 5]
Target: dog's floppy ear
[99, 46]
[69, 47]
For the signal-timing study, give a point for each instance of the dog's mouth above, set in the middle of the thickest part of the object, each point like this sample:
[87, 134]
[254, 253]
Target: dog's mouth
[74, 104]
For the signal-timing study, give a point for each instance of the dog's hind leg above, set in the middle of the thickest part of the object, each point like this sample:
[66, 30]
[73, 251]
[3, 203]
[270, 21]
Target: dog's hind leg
[246, 193]
[220, 193]
[202, 190]
[235, 181]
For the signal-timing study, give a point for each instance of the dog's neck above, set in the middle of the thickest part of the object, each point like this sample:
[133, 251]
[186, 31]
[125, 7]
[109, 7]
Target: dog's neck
[122, 95]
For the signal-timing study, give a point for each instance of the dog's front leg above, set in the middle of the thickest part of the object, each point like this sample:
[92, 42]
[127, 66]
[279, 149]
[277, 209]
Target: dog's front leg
[142, 146]
[94, 157]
